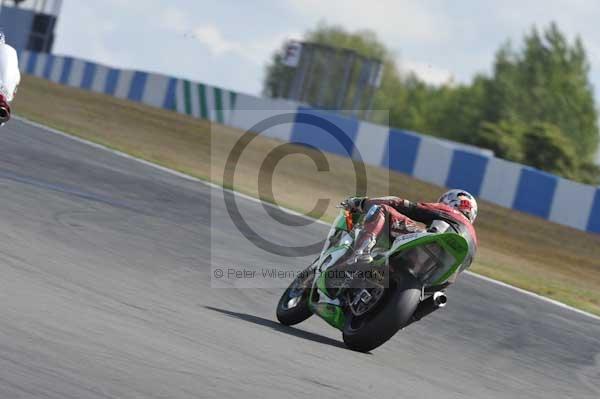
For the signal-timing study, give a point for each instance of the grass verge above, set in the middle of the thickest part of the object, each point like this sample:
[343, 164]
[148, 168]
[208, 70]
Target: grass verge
[552, 260]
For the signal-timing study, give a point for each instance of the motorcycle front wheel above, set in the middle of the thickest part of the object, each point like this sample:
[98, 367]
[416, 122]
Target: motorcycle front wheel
[367, 332]
[293, 305]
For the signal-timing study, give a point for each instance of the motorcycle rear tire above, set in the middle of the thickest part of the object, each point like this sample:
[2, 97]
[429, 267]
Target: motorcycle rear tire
[372, 330]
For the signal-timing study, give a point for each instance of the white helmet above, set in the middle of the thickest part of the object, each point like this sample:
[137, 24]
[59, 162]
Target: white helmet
[462, 201]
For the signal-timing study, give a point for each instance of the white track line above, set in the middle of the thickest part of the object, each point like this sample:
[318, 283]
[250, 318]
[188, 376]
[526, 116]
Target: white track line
[249, 198]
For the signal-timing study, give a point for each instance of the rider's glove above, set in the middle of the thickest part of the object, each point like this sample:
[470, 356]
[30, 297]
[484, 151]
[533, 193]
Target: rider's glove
[353, 204]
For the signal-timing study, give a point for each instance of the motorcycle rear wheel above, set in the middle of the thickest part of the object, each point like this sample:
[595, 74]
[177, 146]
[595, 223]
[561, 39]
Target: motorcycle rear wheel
[367, 332]
[298, 293]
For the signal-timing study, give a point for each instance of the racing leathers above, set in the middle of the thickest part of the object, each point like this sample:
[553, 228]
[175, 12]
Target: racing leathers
[9, 78]
[396, 216]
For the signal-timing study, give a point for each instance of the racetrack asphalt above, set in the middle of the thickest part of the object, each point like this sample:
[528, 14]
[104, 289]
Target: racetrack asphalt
[105, 292]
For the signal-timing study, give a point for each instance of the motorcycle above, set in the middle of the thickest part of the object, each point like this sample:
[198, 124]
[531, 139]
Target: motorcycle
[9, 78]
[370, 301]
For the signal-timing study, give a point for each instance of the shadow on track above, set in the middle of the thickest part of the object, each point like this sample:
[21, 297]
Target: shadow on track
[280, 327]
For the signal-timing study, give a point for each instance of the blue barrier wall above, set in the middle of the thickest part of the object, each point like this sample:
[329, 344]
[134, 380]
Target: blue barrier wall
[325, 130]
[401, 151]
[426, 158]
[467, 171]
[594, 220]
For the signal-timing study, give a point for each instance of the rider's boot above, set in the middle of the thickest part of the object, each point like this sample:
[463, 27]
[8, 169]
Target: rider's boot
[365, 244]
[373, 224]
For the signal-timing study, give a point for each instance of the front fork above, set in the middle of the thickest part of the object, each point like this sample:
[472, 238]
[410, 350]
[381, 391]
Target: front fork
[330, 309]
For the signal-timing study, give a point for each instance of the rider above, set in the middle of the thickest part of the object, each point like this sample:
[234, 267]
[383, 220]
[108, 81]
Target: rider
[399, 216]
[9, 78]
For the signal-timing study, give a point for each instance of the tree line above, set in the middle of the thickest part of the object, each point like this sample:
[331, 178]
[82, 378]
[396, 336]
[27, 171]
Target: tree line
[536, 107]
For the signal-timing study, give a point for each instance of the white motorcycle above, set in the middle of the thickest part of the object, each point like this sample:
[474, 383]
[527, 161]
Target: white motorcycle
[10, 77]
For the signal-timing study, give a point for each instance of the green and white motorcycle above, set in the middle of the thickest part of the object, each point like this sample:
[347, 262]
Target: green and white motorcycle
[370, 302]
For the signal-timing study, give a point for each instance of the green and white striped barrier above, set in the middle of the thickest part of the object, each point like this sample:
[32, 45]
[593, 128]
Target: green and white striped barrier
[207, 102]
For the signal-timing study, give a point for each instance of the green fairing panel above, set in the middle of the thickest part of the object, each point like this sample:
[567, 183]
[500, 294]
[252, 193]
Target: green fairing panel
[340, 222]
[445, 252]
[331, 313]
[322, 285]
[335, 249]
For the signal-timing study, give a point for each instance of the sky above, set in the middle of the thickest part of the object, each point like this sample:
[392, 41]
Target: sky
[228, 43]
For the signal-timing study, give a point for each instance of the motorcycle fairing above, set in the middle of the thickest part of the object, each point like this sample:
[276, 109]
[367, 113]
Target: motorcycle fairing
[434, 258]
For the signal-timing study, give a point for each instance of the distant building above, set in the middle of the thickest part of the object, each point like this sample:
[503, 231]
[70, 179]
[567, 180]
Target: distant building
[30, 24]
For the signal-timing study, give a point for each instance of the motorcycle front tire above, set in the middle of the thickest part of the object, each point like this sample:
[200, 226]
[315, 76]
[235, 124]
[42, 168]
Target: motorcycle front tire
[297, 314]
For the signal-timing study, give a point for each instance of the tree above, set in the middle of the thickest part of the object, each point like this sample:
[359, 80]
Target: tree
[537, 107]
[589, 173]
[541, 145]
[547, 81]
[545, 147]
[504, 138]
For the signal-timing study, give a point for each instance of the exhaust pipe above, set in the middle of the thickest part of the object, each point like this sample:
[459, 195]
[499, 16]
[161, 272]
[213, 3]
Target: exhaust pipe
[434, 302]
[439, 299]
